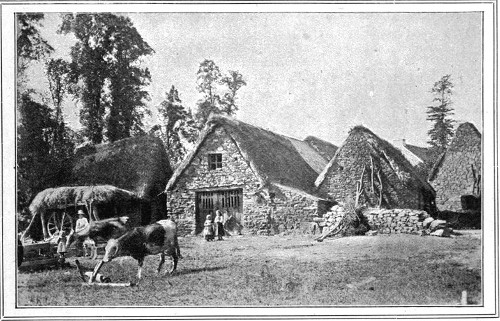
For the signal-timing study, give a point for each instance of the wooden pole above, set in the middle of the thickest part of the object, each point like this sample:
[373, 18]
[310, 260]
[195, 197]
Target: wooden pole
[381, 189]
[359, 187]
[44, 225]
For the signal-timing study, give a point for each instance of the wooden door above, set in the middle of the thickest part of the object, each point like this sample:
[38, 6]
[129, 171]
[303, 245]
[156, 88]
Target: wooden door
[207, 202]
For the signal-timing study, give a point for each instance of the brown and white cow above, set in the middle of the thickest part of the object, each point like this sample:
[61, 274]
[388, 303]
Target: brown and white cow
[158, 238]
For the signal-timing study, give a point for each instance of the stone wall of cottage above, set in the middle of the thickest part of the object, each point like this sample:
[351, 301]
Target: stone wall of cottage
[458, 171]
[290, 211]
[287, 211]
[398, 188]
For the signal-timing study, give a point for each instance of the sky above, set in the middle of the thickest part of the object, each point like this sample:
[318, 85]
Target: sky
[314, 74]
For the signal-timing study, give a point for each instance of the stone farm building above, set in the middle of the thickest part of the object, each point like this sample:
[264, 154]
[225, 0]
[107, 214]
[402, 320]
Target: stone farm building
[263, 179]
[456, 176]
[371, 169]
[137, 164]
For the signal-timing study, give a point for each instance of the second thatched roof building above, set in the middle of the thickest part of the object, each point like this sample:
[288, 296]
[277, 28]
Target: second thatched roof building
[371, 171]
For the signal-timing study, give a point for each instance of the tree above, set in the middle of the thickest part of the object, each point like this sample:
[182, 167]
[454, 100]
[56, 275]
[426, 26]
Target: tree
[30, 44]
[126, 80]
[57, 71]
[234, 81]
[441, 133]
[208, 77]
[89, 68]
[211, 84]
[177, 126]
[105, 69]
[42, 160]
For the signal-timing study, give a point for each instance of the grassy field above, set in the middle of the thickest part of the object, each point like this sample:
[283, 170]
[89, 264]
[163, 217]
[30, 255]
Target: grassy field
[281, 271]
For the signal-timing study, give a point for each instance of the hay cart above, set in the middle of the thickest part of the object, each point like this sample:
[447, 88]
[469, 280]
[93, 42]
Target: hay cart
[54, 210]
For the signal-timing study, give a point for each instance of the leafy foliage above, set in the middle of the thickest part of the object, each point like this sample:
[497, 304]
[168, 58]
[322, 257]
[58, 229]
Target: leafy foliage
[234, 82]
[30, 44]
[177, 128]
[105, 59]
[441, 133]
[219, 93]
[44, 151]
[57, 71]
[126, 80]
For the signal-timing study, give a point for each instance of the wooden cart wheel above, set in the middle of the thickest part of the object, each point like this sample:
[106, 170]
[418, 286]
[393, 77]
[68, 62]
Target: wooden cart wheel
[57, 221]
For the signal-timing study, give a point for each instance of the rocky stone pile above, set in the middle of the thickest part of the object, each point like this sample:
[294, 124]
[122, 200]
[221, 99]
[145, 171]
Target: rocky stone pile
[387, 221]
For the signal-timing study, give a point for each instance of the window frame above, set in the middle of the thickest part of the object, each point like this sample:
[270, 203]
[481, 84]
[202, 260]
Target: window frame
[214, 161]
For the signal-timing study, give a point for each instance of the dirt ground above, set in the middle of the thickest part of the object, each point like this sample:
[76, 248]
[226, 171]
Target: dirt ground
[282, 271]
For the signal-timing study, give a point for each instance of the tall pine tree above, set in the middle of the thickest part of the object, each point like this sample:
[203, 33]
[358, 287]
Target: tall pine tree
[441, 133]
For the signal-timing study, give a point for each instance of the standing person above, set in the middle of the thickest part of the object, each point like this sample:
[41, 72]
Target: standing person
[219, 225]
[61, 247]
[81, 224]
[208, 230]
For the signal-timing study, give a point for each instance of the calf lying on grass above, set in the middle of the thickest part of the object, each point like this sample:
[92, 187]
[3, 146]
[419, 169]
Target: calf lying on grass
[158, 238]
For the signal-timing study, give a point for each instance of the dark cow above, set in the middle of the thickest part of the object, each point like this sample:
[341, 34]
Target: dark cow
[158, 238]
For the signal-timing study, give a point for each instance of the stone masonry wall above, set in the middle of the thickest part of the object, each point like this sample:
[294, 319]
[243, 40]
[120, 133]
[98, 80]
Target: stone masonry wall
[455, 177]
[396, 221]
[288, 210]
[384, 221]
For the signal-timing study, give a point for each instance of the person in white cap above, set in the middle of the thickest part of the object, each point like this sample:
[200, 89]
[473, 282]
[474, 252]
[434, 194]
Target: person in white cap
[81, 224]
[82, 221]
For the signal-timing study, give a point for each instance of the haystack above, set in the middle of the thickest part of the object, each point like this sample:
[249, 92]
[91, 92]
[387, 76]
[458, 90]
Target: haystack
[372, 172]
[457, 174]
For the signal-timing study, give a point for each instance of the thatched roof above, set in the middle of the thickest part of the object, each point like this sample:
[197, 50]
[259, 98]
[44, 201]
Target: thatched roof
[273, 157]
[325, 149]
[421, 152]
[408, 151]
[465, 136]
[137, 164]
[309, 154]
[359, 148]
[61, 197]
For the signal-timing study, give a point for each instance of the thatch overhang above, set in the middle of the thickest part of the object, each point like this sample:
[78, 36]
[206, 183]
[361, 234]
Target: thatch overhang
[137, 164]
[272, 157]
[325, 149]
[459, 143]
[378, 148]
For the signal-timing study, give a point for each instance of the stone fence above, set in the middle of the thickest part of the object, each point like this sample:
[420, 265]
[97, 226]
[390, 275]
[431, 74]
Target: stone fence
[396, 221]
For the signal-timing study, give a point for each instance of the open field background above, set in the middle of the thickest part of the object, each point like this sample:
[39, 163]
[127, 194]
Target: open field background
[281, 270]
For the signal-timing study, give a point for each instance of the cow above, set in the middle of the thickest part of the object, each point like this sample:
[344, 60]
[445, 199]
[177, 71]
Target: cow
[157, 238]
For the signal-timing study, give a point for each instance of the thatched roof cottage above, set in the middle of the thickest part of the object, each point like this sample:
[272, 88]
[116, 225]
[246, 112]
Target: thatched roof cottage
[457, 174]
[263, 179]
[374, 172]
